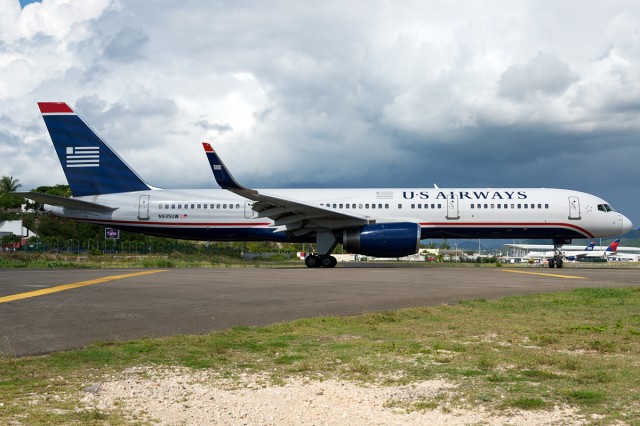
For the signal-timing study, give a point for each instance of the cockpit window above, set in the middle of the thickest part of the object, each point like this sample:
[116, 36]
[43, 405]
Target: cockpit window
[605, 208]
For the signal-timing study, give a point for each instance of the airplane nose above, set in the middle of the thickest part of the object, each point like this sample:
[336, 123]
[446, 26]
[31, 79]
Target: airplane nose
[626, 225]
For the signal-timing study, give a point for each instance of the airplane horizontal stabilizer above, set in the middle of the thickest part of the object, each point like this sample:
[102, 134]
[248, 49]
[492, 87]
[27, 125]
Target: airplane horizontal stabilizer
[70, 203]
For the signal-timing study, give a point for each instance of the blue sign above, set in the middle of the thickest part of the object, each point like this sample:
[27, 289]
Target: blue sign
[111, 234]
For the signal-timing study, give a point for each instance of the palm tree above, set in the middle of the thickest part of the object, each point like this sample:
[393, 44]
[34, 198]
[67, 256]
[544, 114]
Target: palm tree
[8, 184]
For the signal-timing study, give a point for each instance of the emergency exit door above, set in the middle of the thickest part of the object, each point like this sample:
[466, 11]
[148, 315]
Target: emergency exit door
[574, 208]
[143, 207]
[452, 207]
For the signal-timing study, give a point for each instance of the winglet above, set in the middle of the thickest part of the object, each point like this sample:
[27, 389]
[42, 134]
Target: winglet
[220, 171]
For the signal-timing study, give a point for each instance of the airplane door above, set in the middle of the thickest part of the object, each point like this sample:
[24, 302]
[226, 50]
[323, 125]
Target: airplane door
[249, 213]
[574, 208]
[143, 207]
[452, 208]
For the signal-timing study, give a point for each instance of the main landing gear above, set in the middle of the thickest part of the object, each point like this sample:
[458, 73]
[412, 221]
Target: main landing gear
[557, 259]
[326, 242]
[315, 261]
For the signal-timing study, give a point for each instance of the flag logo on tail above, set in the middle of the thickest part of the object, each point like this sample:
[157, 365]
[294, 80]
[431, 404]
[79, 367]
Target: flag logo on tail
[83, 156]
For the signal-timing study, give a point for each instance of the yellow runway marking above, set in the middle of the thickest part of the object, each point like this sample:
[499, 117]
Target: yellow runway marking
[73, 285]
[571, 277]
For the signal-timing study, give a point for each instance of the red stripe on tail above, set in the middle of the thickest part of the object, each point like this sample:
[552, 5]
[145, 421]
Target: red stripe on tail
[54, 107]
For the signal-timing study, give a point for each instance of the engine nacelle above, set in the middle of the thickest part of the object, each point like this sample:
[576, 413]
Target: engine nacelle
[383, 239]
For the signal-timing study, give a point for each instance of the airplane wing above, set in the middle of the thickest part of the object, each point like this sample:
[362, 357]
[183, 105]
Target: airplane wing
[288, 214]
[70, 203]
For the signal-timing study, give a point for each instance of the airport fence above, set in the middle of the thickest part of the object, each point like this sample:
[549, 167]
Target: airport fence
[97, 247]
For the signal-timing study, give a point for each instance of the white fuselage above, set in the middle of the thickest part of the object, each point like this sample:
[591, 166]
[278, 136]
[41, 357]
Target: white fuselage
[217, 214]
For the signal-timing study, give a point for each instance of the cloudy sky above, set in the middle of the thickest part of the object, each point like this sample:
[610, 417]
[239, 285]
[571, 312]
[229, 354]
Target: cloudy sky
[317, 94]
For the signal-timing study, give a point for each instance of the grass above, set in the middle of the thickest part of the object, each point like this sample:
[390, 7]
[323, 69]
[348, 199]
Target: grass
[577, 348]
[173, 260]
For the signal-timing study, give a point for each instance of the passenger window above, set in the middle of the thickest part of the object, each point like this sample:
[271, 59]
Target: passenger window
[359, 206]
[193, 206]
[160, 206]
[179, 206]
[373, 206]
[512, 206]
[539, 206]
[399, 206]
[224, 206]
[366, 206]
[205, 206]
[413, 206]
[546, 206]
[439, 206]
[173, 206]
[499, 206]
[471, 205]
[419, 206]
[340, 205]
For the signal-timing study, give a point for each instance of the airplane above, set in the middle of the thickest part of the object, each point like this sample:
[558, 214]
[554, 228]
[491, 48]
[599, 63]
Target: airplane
[387, 222]
[587, 252]
[591, 253]
[550, 254]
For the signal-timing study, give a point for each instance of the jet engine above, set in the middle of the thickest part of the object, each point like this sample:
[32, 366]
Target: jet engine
[383, 239]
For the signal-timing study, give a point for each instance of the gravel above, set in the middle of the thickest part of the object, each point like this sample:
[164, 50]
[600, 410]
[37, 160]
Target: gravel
[176, 396]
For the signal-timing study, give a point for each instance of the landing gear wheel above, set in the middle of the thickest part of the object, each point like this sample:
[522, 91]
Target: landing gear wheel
[328, 261]
[552, 263]
[312, 261]
[559, 263]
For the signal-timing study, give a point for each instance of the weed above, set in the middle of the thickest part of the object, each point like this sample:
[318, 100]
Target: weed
[527, 403]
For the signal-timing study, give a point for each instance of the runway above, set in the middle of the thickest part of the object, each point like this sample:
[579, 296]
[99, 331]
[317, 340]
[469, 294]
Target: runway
[43, 311]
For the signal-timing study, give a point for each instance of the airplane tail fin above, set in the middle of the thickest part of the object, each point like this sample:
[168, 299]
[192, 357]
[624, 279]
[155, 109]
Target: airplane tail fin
[590, 247]
[90, 165]
[613, 247]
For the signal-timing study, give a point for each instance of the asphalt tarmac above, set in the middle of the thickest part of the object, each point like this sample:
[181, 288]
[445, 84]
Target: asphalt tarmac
[43, 311]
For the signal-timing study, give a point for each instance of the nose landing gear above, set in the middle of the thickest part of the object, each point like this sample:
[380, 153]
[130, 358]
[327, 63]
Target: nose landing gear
[558, 259]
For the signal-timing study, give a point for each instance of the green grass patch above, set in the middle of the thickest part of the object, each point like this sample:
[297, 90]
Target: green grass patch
[527, 353]
[527, 403]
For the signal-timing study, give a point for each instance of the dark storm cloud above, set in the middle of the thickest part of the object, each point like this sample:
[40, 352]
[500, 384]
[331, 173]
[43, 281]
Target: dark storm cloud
[460, 93]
